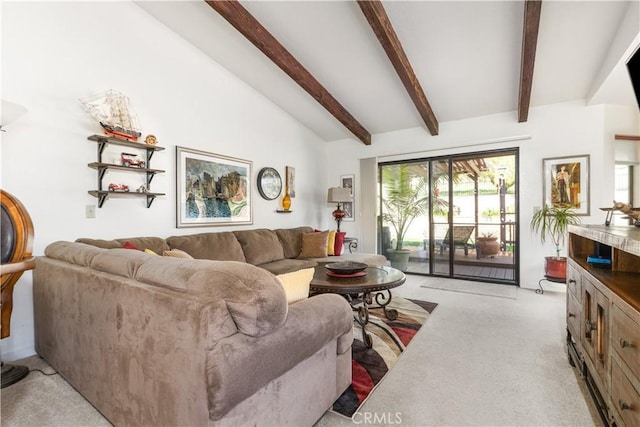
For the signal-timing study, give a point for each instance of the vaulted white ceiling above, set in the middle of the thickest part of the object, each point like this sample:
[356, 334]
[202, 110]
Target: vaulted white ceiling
[465, 54]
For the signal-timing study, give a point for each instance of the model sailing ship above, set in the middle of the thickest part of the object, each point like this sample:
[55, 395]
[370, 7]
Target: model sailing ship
[115, 114]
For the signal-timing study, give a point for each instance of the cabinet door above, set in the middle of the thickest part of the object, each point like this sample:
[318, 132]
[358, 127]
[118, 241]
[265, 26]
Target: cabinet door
[624, 397]
[574, 314]
[601, 346]
[574, 282]
[595, 332]
[625, 338]
[588, 323]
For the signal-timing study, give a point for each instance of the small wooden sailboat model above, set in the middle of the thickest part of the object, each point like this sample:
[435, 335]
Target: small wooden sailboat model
[114, 112]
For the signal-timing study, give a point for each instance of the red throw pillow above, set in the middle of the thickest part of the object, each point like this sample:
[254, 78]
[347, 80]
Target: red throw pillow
[337, 249]
[129, 245]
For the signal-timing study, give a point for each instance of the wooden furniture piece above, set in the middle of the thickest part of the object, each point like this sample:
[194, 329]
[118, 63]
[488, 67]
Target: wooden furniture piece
[603, 319]
[16, 244]
[461, 238]
[361, 291]
[101, 193]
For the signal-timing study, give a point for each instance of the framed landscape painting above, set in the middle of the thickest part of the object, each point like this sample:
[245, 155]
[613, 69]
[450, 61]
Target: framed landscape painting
[566, 183]
[212, 189]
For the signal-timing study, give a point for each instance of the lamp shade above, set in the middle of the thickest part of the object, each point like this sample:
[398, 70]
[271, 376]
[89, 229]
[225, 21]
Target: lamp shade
[338, 195]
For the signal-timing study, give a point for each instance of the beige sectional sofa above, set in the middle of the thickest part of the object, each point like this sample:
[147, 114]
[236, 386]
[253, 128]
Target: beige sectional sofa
[158, 340]
[277, 251]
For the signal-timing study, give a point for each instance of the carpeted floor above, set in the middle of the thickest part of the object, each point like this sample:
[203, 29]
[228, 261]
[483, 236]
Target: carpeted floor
[389, 338]
[478, 288]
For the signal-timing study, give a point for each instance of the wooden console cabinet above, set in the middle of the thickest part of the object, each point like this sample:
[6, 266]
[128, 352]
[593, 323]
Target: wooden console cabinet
[603, 319]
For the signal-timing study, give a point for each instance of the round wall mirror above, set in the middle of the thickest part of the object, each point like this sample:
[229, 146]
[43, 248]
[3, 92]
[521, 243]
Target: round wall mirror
[269, 183]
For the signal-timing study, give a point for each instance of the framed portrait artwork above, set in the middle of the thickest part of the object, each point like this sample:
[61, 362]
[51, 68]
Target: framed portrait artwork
[290, 179]
[212, 189]
[348, 181]
[566, 183]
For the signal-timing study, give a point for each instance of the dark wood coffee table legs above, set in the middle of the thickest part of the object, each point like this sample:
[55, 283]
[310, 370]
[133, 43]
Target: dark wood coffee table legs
[363, 293]
[367, 301]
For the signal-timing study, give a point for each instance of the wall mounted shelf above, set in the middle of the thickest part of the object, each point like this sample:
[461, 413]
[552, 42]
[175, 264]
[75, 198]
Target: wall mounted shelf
[103, 167]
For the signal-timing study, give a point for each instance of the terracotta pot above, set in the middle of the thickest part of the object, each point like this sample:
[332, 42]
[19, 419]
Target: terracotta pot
[487, 246]
[555, 268]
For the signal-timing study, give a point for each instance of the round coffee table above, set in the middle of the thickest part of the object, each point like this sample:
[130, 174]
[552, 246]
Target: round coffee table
[361, 292]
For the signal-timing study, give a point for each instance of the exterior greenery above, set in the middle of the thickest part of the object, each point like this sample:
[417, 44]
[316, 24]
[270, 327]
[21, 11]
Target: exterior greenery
[553, 223]
[404, 197]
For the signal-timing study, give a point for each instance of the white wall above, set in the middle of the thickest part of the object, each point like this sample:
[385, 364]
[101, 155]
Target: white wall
[55, 53]
[566, 129]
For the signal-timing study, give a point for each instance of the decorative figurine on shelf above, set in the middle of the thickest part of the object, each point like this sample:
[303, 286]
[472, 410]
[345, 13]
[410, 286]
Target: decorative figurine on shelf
[114, 112]
[142, 189]
[119, 187]
[151, 140]
[131, 160]
[632, 213]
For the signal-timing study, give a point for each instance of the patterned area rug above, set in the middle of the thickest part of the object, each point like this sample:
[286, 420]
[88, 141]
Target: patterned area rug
[390, 338]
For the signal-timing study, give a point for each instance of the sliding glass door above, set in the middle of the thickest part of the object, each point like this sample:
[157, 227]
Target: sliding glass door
[452, 216]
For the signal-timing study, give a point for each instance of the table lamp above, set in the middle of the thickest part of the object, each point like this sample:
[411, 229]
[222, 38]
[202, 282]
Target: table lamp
[338, 195]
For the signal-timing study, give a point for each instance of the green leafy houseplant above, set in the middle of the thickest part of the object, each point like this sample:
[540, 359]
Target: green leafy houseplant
[404, 198]
[553, 223]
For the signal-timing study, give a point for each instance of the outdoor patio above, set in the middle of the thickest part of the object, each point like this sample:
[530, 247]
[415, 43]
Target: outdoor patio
[500, 267]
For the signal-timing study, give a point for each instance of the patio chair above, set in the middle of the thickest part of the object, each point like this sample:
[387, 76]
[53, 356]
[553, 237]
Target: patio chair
[461, 238]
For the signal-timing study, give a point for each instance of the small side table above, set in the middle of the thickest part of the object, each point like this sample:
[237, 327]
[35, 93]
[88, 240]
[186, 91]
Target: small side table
[351, 243]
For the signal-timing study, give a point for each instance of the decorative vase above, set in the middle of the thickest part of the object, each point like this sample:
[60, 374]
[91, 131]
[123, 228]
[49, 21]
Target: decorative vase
[286, 200]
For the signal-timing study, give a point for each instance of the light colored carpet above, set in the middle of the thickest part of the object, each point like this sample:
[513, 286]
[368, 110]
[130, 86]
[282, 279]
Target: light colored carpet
[40, 400]
[478, 361]
[465, 286]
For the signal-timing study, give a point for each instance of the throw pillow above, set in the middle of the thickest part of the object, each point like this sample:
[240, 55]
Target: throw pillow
[129, 245]
[314, 245]
[339, 243]
[150, 252]
[177, 253]
[296, 284]
[331, 243]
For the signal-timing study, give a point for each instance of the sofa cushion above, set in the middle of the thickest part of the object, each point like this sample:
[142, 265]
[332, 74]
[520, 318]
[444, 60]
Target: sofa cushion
[291, 240]
[338, 248]
[79, 254]
[331, 243]
[260, 246]
[254, 297]
[314, 245]
[287, 265]
[156, 244]
[296, 284]
[222, 246]
[177, 253]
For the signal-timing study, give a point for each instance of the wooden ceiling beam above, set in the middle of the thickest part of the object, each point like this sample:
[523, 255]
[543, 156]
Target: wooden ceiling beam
[627, 137]
[531, 24]
[381, 25]
[256, 33]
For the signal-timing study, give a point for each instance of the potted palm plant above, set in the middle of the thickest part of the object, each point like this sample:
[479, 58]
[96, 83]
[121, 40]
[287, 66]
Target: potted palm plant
[553, 223]
[404, 198]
